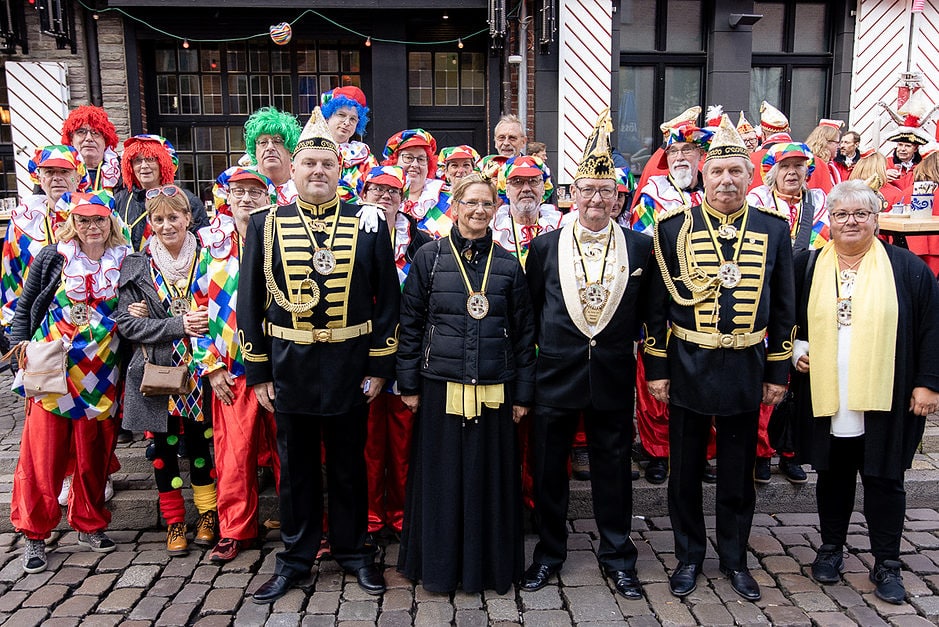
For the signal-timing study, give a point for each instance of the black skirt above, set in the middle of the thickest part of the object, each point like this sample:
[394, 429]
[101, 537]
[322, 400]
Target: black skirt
[463, 513]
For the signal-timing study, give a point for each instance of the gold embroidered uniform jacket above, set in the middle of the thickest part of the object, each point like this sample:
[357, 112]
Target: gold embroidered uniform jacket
[317, 377]
[723, 380]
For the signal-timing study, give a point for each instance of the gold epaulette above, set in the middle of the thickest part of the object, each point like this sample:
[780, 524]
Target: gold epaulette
[671, 213]
[773, 212]
[265, 208]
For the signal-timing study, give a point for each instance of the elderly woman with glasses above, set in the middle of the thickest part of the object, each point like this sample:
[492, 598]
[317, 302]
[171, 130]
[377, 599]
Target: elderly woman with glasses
[148, 162]
[867, 354]
[71, 295]
[414, 150]
[466, 362]
[157, 314]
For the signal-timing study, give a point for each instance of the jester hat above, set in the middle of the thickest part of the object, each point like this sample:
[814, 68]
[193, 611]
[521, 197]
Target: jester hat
[55, 156]
[787, 150]
[527, 166]
[409, 138]
[93, 204]
[392, 175]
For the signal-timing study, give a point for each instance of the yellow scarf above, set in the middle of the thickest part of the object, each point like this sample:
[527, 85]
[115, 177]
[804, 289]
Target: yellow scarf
[873, 335]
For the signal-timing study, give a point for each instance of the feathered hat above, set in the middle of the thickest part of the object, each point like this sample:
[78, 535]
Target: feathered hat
[597, 162]
[688, 116]
[712, 117]
[911, 117]
[316, 136]
[726, 142]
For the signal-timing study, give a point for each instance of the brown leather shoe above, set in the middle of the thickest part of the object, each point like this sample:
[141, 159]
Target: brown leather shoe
[205, 529]
[176, 539]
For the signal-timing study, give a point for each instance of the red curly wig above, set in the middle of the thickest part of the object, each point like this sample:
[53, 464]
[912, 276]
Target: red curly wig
[96, 118]
[146, 148]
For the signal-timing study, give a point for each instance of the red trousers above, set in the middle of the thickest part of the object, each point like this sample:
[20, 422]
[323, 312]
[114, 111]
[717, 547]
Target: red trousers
[44, 459]
[240, 430]
[387, 450]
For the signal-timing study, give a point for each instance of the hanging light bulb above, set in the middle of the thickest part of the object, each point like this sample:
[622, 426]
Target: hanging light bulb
[459, 43]
[186, 44]
[446, 17]
[94, 16]
[368, 42]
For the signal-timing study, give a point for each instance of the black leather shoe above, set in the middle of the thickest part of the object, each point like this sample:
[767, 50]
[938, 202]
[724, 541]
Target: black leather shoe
[710, 473]
[684, 579]
[370, 579]
[657, 470]
[743, 583]
[626, 583]
[761, 470]
[792, 471]
[537, 576]
[635, 475]
[274, 588]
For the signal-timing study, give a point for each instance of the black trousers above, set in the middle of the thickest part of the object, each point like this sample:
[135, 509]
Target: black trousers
[688, 434]
[884, 500]
[301, 490]
[166, 446]
[609, 444]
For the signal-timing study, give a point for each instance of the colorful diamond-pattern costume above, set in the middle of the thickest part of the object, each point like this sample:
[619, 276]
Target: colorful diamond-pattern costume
[659, 195]
[190, 404]
[357, 162]
[215, 285]
[763, 196]
[93, 359]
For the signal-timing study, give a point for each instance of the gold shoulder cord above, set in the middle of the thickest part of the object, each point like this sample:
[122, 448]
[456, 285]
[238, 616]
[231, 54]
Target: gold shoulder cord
[699, 293]
[279, 297]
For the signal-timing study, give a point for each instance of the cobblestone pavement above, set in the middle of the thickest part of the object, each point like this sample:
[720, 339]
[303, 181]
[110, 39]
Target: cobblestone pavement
[139, 584]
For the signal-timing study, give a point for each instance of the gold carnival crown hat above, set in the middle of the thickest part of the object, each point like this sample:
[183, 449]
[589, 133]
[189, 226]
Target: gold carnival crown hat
[743, 125]
[726, 142]
[316, 135]
[688, 116]
[598, 160]
[772, 120]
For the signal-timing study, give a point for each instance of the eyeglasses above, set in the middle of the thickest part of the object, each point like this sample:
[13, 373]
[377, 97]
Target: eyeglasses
[167, 190]
[841, 217]
[381, 190]
[522, 181]
[409, 159]
[148, 160]
[476, 204]
[241, 192]
[99, 222]
[85, 132]
[588, 192]
[684, 151]
[273, 141]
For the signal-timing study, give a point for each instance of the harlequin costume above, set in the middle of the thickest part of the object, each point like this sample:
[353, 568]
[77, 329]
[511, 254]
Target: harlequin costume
[33, 223]
[237, 428]
[271, 121]
[431, 208]
[69, 295]
[108, 173]
[294, 320]
[357, 158]
[388, 446]
[654, 166]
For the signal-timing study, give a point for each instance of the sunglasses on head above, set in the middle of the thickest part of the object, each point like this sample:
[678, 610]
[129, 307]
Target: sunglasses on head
[167, 190]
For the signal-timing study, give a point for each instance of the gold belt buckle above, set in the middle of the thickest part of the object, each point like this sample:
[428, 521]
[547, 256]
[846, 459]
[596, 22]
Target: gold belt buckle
[322, 335]
[727, 340]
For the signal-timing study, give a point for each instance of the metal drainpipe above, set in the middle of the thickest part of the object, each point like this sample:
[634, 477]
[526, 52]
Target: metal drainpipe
[94, 60]
[523, 67]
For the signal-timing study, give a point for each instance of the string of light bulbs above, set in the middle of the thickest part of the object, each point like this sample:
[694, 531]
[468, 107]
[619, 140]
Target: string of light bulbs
[368, 38]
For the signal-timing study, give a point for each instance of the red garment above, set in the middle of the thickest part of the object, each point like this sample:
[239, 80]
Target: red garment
[387, 451]
[763, 449]
[651, 169]
[44, 457]
[822, 177]
[844, 172]
[756, 158]
[240, 431]
[172, 506]
[580, 436]
[525, 454]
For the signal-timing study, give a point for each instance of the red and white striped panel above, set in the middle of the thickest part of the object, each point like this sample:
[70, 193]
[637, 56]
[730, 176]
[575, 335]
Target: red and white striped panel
[925, 55]
[38, 105]
[584, 79]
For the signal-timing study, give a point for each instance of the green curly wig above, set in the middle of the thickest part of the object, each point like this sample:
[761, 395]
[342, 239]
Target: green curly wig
[270, 121]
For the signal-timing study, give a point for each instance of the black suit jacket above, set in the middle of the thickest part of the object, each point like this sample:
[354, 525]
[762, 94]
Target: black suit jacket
[575, 371]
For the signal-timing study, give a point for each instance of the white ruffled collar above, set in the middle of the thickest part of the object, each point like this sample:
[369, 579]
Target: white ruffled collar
[87, 279]
[30, 216]
[220, 236]
[402, 235]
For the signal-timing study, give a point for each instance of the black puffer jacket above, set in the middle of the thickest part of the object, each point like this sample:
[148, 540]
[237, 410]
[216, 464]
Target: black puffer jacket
[45, 276]
[439, 340]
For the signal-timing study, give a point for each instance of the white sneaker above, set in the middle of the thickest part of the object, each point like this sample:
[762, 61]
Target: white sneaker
[63, 495]
[108, 490]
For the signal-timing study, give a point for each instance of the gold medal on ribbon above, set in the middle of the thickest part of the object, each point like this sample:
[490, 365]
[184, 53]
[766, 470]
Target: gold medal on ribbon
[844, 312]
[477, 305]
[594, 297]
[324, 261]
[729, 274]
[81, 315]
[179, 306]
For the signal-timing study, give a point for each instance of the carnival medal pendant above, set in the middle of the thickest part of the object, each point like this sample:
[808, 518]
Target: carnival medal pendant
[727, 231]
[324, 261]
[179, 306]
[81, 315]
[477, 305]
[844, 312]
[594, 298]
[729, 274]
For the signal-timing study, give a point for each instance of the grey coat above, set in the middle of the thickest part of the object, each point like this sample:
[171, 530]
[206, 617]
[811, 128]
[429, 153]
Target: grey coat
[156, 333]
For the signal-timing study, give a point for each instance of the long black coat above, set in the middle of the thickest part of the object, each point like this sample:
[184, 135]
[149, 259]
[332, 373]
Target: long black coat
[890, 438]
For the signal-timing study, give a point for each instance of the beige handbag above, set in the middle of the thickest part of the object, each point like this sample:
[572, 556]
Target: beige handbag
[42, 367]
[162, 380]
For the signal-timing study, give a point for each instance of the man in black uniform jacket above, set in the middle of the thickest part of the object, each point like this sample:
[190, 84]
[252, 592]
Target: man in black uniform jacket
[317, 318]
[585, 281]
[724, 282]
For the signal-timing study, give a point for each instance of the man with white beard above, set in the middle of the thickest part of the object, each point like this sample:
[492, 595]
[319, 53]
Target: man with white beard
[516, 223]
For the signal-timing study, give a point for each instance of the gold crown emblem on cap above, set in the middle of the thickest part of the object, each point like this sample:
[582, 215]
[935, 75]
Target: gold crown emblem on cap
[316, 135]
[597, 162]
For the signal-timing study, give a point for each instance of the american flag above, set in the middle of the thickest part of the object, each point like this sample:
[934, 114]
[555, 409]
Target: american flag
[918, 5]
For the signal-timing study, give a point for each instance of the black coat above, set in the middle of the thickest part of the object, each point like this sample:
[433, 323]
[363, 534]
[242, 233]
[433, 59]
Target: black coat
[890, 438]
[575, 371]
[44, 279]
[441, 341]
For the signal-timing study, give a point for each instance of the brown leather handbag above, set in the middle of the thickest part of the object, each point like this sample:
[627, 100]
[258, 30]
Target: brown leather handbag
[162, 380]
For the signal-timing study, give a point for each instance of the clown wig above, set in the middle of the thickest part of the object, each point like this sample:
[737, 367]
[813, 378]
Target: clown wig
[270, 121]
[147, 149]
[96, 118]
[337, 102]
